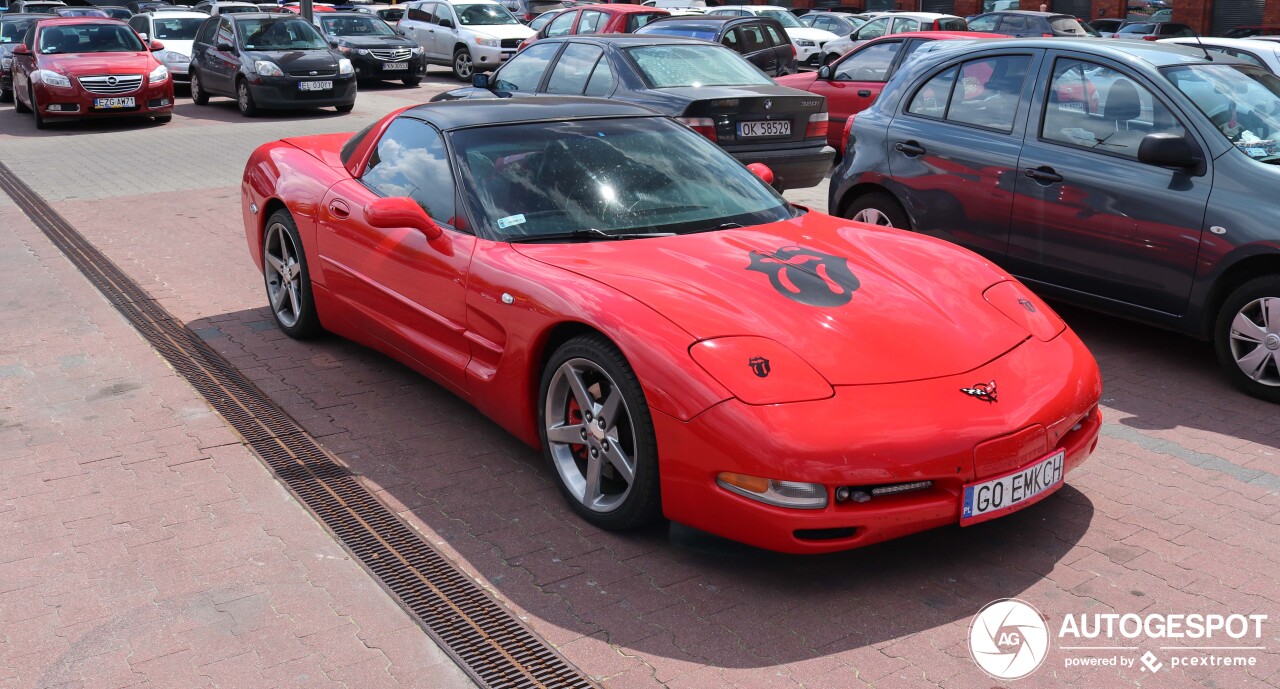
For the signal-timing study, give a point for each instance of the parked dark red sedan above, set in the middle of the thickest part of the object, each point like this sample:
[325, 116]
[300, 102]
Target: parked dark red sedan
[852, 83]
[618, 18]
[78, 67]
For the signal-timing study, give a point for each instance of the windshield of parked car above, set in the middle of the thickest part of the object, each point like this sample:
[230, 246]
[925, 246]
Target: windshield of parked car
[623, 176]
[484, 15]
[118, 13]
[706, 33]
[12, 30]
[784, 18]
[356, 26]
[177, 28]
[89, 38]
[81, 12]
[1242, 101]
[668, 66]
[287, 33]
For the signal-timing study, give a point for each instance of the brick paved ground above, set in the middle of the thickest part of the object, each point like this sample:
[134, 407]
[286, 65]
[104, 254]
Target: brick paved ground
[1179, 511]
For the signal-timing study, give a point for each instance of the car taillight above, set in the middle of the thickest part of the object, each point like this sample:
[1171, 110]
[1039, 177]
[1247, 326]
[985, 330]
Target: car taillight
[1047, 35]
[528, 16]
[793, 49]
[848, 128]
[702, 125]
[1149, 37]
[817, 128]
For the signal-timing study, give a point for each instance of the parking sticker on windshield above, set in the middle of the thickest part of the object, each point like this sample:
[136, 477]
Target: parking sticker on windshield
[510, 221]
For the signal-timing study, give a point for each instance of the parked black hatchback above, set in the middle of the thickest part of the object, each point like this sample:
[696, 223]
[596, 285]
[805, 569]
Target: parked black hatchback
[1023, 23]
[374, 48]
[1130, 177]
[269, 61]
[761, 40]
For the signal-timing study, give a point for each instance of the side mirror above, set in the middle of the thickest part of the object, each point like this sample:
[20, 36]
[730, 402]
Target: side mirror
[156, 45]
[143, 36]
[401, 211]
[762, 171]
[21, 49]
[824, 72]
[446, 23]
[1166, 150]
[225, 47]
[480, 80]
[333, 42]
[400, 31]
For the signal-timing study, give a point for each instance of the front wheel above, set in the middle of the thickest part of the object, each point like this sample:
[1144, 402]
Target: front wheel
[244, 99]
[1247, 337]
[164, 119]
[344, 108]
[288, 281]
[598, 435]
[41, 123]
[463, 67]
[831, 57]
[412, 81]
[198, 95]
[878, 208]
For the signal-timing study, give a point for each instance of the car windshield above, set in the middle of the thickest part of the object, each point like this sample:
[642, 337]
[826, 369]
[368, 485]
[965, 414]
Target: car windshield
[89, 38]
[356, 26]
[484, 15]
[621, 176]
[540, 6]
[11, 31]
[235, 9]
[784, 18]
[668, 66]
[1242, 101]
[81, 12]
[289, 33]
[706, 33]
[177, 28]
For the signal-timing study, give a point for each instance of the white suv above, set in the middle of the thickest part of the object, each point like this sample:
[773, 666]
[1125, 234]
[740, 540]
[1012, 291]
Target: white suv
[470, 36]
[807, 40]
[176, 29]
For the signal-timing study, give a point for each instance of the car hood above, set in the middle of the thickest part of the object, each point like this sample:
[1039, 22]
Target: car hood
[296, 60]
[78, 64]
[501, 30]
[862, 305]
[183, 47]
[811, 33]
[377, 41]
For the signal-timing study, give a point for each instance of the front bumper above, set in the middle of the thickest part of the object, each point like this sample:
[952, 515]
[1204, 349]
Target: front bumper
[283, 92]
[179, 71]
[76, 103]
[793, 168]
[370, 67]
[868, 435]
[486, 59]
[808, 55]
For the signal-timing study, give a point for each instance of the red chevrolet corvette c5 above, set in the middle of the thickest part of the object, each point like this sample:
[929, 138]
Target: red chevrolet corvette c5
[675, 337]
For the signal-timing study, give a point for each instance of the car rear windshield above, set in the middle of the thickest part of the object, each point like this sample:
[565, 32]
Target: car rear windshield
[635, 175]
[1242, 101]
[784, 18]
[12, 30]
[1138, 29]
[954, 24]
[540, 6]
[1067, 25]
[177, 28]
[89, 38]
[702, 31]
[356, 26]
[484, 15]
[286, 33]
[637, 20]
[669, 66]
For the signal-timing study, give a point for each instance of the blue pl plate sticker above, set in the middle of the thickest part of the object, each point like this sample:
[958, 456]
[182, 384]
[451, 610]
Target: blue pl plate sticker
[510, 221]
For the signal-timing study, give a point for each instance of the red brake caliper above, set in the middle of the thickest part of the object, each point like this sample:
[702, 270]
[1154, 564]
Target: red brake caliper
[574, 416]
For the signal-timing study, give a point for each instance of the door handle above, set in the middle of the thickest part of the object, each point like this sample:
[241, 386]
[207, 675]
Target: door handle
[1043, 174]
[865, 93]
[339, 209]
[910, 148]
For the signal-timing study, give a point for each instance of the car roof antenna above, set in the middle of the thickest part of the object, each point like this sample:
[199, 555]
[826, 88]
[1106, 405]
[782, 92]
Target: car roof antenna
[1200, 43]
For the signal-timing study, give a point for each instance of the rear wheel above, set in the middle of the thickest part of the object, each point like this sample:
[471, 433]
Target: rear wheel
[198, 94]
[878, 208]
[1247, 337]
[463, 67]
[18, 105]
[244, 99]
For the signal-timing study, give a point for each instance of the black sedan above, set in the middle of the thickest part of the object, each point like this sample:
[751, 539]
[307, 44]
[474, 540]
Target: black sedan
[269, 61]
[374, 48]
[707, 87]
[761, 40]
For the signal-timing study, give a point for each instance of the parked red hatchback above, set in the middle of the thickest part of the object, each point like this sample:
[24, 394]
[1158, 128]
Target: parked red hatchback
[84, 67]
[620, 18]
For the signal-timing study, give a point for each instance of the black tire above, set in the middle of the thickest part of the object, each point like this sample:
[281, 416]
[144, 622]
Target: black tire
[41, 123]
[6, 95]
[244, 99]
[641, 504]
[880, 208]
[831, 57]
[306, 325]
[1248, 301]
[164, 119]
[18, 106]
[345, 108]
[198, 95]
[463, 66]
[412, 81]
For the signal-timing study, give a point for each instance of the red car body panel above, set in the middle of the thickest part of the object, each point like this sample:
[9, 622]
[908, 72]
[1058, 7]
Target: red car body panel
[615, 19]
[928, 320]
[845, 98]
[76, 65]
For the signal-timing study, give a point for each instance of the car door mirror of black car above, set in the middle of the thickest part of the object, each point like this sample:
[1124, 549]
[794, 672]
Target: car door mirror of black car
[480, 81]
[1166, 150]
[394, 212]
[824, 72]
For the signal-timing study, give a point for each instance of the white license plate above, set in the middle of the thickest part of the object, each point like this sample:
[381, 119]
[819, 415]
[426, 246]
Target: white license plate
[315, 85]
[998, 496]
[111, 103]
[395, 66]
[771, 128]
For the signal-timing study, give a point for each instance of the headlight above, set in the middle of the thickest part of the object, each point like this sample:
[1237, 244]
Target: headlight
[417, 50]
[758, 370]
[170, 56]
[360, 51]
[267, 68]
[793, 494]
[487, 41]
[158, 75]
[53, 78]
[344, 67]
[805, 43]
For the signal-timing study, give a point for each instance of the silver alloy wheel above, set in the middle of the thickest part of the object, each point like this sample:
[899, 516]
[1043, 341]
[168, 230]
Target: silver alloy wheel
[242, 97]
[872, 216]
[283, 273]
[1255, 340]
[591, 435]
[462, 65]
[194, 86]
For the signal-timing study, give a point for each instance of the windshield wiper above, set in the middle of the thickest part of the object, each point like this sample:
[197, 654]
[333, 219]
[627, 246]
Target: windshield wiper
[714, 228]
[587, 234]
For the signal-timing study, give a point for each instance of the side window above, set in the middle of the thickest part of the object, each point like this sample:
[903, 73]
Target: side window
[1246, 56]
[901, 25]
[931, 99]
[524, 71]
[869, 64]
[411, 160]
[873, 29]
[1013, 23]
[1100, 108]
[987, 23]
[591, 22]
[573, 69]
[225, 33]
[912, 46]
[420, 12]
[560, 26]
[775, 40]
[752, 38]
[207, 31]
[442, 14]
[733, 40]
[139, 24]
[988, 92]
[635, 21]
[602, 81]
